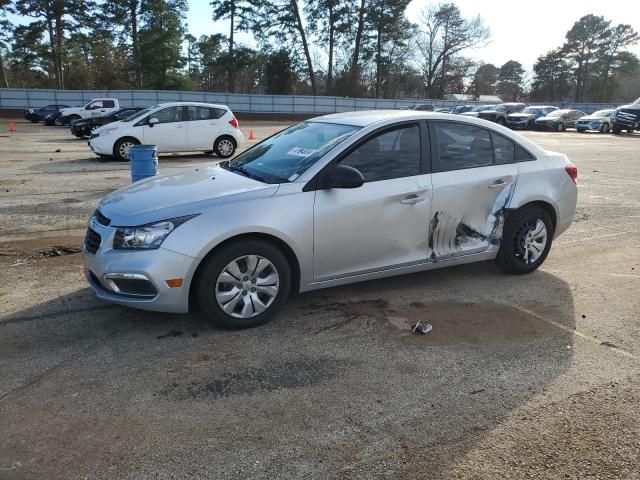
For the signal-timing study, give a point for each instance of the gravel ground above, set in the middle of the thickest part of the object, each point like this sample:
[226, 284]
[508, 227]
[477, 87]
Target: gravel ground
[529, 377]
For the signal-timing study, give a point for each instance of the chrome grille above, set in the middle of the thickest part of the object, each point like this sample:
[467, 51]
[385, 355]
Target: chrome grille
[92, 241]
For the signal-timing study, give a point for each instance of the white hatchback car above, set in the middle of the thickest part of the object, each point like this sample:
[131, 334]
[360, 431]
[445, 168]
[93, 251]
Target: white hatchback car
[172, 127]
[330, 201]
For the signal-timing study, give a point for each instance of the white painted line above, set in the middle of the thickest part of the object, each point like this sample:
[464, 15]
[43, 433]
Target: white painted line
[575, 332]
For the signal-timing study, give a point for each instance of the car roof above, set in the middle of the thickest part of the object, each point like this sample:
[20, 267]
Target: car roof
[191, 104]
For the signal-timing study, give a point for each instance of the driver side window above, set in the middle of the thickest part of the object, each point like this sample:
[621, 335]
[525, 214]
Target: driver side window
[391, 154]
[94, 105]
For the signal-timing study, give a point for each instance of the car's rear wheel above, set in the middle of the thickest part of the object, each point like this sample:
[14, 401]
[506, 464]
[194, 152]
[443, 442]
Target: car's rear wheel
[530, 125]
[243, 284]
[224, 147]
[72, 118]
[526, 240]
[604, 128]
[58, 122]
[122, 146]
[560, 127]
[616, 130]
[580, 130]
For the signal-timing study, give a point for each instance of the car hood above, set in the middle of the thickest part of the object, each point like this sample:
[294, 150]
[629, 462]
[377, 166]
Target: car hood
[110, 125]
[549, 119]
[591, 117]
[631, 106]
[181, 193]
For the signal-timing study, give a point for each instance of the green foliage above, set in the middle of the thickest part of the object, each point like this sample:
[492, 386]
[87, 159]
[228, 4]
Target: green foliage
[279, 76]
[510, 80]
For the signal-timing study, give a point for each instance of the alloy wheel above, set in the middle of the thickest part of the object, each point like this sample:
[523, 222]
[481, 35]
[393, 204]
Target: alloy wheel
[247, 286]
[225, 147]
[531, 241]
[124, 149]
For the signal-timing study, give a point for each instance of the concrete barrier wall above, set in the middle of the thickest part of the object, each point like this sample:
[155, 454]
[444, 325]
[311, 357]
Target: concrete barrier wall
[12, 99]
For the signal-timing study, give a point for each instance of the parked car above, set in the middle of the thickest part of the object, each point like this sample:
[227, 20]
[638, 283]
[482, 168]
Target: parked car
[627, 117]
[422, 107]
[527, 117]
[458, 109]
[97, 107]
[559, 120]
[498, 114]
[36, 115]
[600, 120]
[442, 110]
[83, 127]
[475, 111]
[172, 127]
[330, 201]
[53, 119]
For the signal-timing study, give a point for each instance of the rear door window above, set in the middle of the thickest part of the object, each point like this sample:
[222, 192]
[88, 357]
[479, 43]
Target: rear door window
[461, 146]
[109, 104]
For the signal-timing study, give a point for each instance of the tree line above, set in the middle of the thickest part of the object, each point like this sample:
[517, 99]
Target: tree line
[356, 48]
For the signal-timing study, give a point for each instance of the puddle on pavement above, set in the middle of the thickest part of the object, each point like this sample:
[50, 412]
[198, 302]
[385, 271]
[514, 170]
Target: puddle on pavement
[453, 322]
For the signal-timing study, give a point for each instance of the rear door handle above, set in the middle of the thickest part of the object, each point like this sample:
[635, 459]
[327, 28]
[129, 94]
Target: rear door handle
[498, 184]
[412, 200]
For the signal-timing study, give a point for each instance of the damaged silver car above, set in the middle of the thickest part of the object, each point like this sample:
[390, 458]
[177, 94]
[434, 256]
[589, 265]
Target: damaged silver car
[334, 200]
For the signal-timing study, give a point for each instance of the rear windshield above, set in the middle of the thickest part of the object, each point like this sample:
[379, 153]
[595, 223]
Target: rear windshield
[284, 156]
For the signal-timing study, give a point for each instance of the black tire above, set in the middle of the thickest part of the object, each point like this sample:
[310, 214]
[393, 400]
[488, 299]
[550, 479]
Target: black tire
[217, 263]
[580, 130]
[560, 127]
[616, 130]
[520, 223]
[530, 125]
[117, 148]
[221, 146]
[604, 128]
[71, 118]
[501, 121]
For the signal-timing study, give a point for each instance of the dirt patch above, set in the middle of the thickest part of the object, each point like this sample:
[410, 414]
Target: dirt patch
[52, 250]
[453, 322]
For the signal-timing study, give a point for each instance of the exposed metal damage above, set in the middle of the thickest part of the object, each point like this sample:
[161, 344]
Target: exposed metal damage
[450, 235]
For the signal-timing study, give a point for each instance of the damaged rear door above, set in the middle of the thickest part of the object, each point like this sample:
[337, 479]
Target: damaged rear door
[473, 181]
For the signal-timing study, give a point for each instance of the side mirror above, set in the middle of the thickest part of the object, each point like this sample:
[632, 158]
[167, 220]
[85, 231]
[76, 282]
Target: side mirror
[153, 121]
[342, 176]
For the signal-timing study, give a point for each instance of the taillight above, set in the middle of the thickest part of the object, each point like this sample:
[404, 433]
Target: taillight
[572, 171]
[233, 122]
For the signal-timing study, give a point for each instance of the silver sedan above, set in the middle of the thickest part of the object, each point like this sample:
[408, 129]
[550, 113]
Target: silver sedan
[334, 200]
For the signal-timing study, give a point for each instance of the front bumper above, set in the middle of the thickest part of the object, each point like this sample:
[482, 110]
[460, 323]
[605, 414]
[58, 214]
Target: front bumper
[626, 122]
[156, 266]
[546, 126]
[101, 145]
[589, 125]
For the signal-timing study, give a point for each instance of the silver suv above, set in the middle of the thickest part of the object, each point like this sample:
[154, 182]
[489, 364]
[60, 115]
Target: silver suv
[334, 200]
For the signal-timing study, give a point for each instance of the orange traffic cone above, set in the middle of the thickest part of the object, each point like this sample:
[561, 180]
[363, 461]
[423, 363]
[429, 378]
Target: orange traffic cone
[251, 135]
[12, 127]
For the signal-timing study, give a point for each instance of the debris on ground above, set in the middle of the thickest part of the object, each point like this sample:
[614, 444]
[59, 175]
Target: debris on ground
[422, 327]
[172, 333]
[57, 151]
[59, 250]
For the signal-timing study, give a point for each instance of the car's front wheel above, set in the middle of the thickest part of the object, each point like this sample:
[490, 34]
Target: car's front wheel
[604, 128]
[122, 146]
[224, 147]
[526, 240]
[560, 127]
[243, 284]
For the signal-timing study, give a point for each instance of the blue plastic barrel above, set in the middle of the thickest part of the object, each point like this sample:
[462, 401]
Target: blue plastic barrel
[144, 161]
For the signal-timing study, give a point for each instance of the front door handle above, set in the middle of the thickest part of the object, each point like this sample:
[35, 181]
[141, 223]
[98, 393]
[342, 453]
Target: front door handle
[411, 200]
[498, 184]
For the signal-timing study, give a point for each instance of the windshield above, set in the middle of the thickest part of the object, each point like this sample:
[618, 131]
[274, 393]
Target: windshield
[557, 113]
[500, 108]
[531, 110]
[482, 108]
[139, 114]
[602, 113]
[283, 157]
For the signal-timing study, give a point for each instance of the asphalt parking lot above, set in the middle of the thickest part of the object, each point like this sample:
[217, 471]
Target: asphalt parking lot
[522, 377]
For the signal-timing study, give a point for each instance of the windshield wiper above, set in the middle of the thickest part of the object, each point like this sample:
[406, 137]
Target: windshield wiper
[243, 171]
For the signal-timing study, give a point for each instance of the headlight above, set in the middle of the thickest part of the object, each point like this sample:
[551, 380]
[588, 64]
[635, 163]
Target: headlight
[146, 236]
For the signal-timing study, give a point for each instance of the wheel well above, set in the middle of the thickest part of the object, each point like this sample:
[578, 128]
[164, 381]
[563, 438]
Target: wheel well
[124, 138]
[275, 241]
[547, 207]
[230, 137]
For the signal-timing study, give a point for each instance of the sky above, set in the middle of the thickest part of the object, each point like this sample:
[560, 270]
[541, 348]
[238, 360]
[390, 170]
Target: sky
[520, 29]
